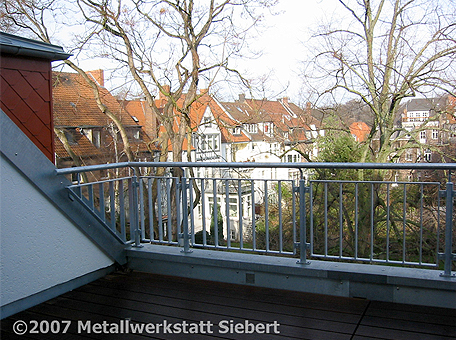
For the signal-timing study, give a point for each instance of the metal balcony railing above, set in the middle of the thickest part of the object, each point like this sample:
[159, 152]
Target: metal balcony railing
[406, 223]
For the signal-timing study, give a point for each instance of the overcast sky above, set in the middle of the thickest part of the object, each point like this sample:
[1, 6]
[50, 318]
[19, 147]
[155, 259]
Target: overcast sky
[283, 43]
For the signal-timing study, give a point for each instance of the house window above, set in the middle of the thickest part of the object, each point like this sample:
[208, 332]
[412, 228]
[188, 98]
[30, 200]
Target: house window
[251, 128]
[211, 204]
[207, 121]
[428, 155]
[210, 142]
[69, 135]
[409, 156]
[423, 135]
[435, 134]
[237, 130]
[233, 234]
[233, 207]
[96, 138]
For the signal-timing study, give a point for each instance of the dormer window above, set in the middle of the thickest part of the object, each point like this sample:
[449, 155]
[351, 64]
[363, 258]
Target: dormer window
[69, 135]
[207, 121]
[251, 128]
[237, 130]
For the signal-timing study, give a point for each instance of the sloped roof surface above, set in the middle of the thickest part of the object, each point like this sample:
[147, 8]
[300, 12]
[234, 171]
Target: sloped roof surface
[75, 105]
[360, 130]
[82, 148]
[425, 104]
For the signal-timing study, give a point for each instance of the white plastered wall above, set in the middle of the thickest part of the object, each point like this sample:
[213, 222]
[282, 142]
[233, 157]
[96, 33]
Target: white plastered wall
[39, 247]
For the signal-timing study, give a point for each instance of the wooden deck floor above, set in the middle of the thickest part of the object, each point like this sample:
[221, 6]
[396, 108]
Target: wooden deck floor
[145, 298]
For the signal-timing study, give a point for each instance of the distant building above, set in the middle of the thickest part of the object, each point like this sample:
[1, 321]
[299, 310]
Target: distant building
[360, 131]
[86, 135]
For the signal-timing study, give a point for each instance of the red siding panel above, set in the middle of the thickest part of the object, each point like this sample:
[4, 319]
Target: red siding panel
[26, 98]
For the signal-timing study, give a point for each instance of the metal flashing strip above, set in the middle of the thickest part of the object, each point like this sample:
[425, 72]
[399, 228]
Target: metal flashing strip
[19, 46]
[382, 283]
[50, 293]
[33, 164]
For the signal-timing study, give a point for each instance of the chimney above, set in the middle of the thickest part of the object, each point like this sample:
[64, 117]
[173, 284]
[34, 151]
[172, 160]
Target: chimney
[308, 108]
[204, 91]
[98, 75]
[285, 100]
[242, 97]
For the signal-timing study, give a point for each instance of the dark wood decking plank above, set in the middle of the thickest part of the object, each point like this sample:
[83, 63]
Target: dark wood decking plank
[419, 315]
[146, 313]
[248, 293]
[147, 298]
[395, 334]
[225, 301]
[410, 326]
[143, 301]
[27, 316]
[407, 308]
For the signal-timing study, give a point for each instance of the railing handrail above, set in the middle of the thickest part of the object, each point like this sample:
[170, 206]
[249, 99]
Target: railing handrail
[227, 165]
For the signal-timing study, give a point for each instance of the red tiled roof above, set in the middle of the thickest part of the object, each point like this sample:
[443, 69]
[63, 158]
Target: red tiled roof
[82, 148]
[360, 130]
[75, 105]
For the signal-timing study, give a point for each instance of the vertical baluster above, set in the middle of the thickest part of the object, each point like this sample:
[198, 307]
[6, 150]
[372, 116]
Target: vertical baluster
[131, 208]
[240, 215]
[438, 227]
[151, 209]
[192, 217]
[160, 209]
[356, 218]
[387, 222]
[295, 239]
[372, 223]
[252, 193]
[280, 218]
[326, 218]
[102, 201]
[122, 211]
[266, 213]
[185, 230]
[404, 222]
[302, 223]
[142, 216]
[341, 220]
[112, 202]
[311, 218]
[448, 255]
[168, 201]
[203, 210]
[421, 221]
[91, 202]
[215, 212]
[177, 195]
[227, 212]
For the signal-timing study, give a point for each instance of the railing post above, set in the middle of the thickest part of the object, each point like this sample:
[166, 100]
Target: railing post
[448, 257]
[303, 245]
[185, 236]
[134, 210]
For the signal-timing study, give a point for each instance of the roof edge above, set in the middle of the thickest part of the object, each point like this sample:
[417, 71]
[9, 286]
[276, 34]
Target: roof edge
[18, 46]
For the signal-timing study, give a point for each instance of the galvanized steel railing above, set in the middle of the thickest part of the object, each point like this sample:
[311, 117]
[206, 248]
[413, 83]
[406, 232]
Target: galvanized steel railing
[397, 223]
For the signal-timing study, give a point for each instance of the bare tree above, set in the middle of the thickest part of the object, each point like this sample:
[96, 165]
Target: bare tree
[38, 18]
[382, 53]
[170, 45]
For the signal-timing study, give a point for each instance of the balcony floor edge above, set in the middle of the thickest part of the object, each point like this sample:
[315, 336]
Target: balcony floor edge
[374, 282]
